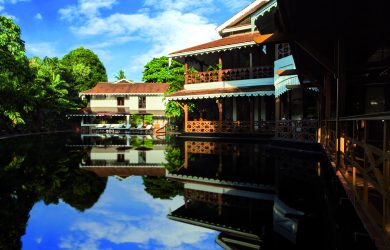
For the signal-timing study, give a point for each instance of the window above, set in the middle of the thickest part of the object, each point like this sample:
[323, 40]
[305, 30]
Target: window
[282, 50]
[141, 102]
[120, 101]
[141, 157]
[121, 157]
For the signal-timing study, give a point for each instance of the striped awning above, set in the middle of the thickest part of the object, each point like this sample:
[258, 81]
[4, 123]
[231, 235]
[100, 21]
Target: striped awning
[266, 90]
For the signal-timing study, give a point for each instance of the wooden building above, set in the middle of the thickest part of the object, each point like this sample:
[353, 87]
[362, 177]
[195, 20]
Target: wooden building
[343, 49]
[116, 103]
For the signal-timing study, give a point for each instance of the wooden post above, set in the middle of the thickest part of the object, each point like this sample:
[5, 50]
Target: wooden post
[220, 68]
[220, 110]
[251, 107]
[185, 73]
[277, 115]
[186, 154]
[185, 117]
[250, 66]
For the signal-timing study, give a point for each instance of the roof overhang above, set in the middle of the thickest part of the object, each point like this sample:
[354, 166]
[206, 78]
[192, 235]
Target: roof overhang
[222, 93]
[214, 49]
[121, 94]
[239, 15]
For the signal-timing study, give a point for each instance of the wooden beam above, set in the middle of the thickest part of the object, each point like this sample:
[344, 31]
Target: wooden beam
[185, 73]
[260, 39]
[286, 72]
[316, 55]
[220, 68]
[185, 117]
[220, 110]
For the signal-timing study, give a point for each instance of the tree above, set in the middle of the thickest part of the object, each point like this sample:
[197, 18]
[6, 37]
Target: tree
[159, 70]
[50, 92]
[83, 69]
[121, 75]
[14, 73]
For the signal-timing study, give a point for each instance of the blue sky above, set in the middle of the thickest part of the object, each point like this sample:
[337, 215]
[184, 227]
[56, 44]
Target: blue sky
[125, 217]
[124, 33]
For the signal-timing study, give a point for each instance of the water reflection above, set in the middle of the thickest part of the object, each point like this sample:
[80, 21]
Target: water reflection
[137, 192]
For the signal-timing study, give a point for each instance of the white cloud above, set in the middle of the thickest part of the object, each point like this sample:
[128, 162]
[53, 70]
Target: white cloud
[38, 16]
[2, 7]
[42, 49]
[120, 227]
[85, 9]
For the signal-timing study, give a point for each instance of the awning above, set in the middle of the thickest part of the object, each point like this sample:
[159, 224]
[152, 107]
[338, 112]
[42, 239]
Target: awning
[266, 90]
[101, 111]
[282, 82]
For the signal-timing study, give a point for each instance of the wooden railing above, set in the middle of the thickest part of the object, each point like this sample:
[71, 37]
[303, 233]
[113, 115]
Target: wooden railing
[230, 74]
[297, 130]
[364, 165]
[230, 127]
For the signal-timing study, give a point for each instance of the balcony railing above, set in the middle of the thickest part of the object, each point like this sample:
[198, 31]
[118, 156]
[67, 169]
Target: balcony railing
[230, 127]
[297, 130]
[230, 74]
[364, 166]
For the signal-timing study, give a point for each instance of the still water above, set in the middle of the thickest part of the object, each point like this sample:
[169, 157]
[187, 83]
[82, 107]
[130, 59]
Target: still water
[90, 192]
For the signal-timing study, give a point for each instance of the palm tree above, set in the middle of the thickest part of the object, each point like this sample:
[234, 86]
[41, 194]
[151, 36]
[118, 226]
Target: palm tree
[120, 75]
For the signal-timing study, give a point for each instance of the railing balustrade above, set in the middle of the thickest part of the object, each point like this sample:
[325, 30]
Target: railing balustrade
[297, 130]
[364, 164]
[230, 74]
[230, 127]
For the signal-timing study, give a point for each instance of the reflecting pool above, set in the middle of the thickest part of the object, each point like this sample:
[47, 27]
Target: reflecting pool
[70, 191]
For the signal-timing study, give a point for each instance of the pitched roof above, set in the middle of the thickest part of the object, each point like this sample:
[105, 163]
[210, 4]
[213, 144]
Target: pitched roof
[248, 10]
[222, 92]
[126, 88]
[220, 44]
[127, 171]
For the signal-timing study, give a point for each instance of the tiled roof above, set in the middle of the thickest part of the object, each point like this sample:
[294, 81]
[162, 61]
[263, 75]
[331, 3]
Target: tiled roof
[220, 91]
[126, 171]
[230, 40]
[124, 87]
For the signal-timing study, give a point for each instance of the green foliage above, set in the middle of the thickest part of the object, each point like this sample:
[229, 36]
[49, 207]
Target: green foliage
[162, 188]
[158, 70]
[83, 69]
[174, 158]
[50, 92]
[14, 73]
[121, 75]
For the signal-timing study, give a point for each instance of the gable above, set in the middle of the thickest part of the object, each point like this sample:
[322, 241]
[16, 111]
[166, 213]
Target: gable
[241, 20]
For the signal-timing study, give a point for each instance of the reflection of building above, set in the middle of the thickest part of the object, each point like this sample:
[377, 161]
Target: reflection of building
[116, 103]
[137, 155]
[234, 188]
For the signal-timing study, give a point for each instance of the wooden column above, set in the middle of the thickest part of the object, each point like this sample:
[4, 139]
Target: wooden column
[186, 143]
[277, 109]
[328, 95]
[251, 110]
[234, 117]
[220, 68]
[220, 110]
[185, 117]
[185, 72]
[250, 65]
[256, 111]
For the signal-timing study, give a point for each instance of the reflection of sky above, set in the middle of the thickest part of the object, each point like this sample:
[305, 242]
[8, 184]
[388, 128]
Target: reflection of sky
[125, 217]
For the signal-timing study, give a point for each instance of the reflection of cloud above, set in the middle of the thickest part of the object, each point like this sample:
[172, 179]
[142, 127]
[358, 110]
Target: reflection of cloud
[141, 220]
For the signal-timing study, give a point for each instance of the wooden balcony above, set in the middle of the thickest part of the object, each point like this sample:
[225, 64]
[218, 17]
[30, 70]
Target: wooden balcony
[229, 127]
[361, 157]
[229, 74]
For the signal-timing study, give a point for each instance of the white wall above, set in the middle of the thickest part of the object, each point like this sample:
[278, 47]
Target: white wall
[155, 103]
[131, 102]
